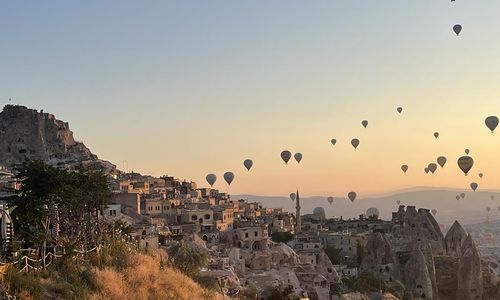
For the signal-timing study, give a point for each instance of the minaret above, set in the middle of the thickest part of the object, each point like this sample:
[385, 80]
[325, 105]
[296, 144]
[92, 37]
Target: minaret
[297, 213]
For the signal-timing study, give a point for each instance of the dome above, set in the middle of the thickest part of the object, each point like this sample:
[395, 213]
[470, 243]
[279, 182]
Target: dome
[372, 212]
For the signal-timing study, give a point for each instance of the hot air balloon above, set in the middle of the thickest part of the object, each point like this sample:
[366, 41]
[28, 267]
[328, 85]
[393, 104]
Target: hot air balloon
[462, 195]
[298, 157]
[432, 167]
[434, 211]
[492, 197]
[441, 161]
[488, 209]
[473, 186]
[286, 155]
[372, 212]
[355, 143]
[398, 202]
[491, 122]
[404, 168]
[229, 177]
[457, 29]
[457, 197]
[467, 151]
[436, 134]
[399, 109]
[330, 200]
[293, 196]
[426, 170]
[480, 175]
[333, 141]
[211, 179]
[465, 163]
[352, 196]
[248, 163]
[364, 123]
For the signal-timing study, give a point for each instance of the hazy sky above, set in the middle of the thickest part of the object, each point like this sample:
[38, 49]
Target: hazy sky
[188, 88]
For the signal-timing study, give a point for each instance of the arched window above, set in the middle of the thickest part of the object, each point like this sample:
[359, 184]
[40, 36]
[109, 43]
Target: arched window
[194, 217]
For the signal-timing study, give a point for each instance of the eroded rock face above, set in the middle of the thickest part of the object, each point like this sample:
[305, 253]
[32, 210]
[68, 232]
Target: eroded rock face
[380, 258]
[29, 134]
[429, 265]
[454, 239]
[469, 272]
[416, 277]
[419, 229]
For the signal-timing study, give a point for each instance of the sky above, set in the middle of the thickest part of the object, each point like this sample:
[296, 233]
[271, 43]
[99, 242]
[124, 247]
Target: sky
[188, 88]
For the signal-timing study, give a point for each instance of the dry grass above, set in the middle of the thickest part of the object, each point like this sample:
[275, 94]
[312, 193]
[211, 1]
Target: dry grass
[143, 279]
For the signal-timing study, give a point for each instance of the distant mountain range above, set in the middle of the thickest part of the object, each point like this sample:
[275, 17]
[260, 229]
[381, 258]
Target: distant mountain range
[471, 209]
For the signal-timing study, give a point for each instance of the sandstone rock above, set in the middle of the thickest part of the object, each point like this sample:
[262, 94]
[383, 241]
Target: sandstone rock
[469, 272]
[454, 239]
[416, 277]
[29, 134]
[380, 258]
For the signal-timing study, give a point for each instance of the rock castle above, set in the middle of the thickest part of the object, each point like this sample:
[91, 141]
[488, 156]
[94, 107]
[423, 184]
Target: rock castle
[29, 134]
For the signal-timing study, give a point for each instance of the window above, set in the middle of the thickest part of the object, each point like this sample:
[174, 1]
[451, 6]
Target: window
[207, 217]
[194, 217]
[256, 233]
[246, 234]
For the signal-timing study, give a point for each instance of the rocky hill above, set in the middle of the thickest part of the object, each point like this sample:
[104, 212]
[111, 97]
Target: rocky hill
[29, 134]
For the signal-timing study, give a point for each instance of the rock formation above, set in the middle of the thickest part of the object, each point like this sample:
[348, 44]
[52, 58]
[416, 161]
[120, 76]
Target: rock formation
[469, 272]
[29, 134]
[429, 265]
[454, 239]
[416, 277]
[380, 258]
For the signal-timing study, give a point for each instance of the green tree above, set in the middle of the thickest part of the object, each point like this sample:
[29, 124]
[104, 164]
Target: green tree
[42, 188]
[50, 195]
[366, 282]
[279, 292]
[281, 237]
[188, 258]
[360, 252]
[333, 254]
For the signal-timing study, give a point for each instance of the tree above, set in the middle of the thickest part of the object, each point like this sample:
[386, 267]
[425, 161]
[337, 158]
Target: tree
[53, 197]
[333, 254]
[279, 292]
[366, 282]
[360, 252]
[188, 258]
[281, 237]
[42, 188]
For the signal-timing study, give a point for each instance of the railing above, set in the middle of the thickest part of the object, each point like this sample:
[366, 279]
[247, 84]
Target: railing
[27, 263]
